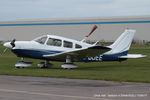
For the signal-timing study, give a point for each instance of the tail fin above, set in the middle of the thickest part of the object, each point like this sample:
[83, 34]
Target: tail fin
[123, 43]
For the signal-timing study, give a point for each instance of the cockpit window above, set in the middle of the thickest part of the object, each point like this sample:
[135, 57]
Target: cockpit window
[78, 46]
[68, 44]
[54, 42]
[41, 40]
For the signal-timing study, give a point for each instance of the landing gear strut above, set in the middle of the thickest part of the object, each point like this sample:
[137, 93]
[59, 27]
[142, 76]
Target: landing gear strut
[45, 64]
[69, 64]
[22, 64]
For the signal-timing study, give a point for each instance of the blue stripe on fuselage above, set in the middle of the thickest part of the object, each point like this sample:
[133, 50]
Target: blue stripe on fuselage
[105, 57]
[37, 54]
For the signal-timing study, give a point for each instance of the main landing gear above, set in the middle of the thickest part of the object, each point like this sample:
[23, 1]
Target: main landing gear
[22, 64]
[69, 64]
[45, 64]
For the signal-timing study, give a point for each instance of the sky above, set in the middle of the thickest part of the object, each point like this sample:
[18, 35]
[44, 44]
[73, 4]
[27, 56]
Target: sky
[42, 9]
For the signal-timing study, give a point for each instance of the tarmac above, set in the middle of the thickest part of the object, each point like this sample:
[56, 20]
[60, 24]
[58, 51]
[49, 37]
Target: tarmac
[43, 88]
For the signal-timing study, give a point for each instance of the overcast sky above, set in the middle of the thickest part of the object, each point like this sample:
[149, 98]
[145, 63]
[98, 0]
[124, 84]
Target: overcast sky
[40, 9]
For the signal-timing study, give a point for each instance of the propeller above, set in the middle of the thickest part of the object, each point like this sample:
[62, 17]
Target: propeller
[13, 43]
[9, 45]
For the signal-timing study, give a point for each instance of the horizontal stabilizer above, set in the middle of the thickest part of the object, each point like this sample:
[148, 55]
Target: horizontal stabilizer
[133, 56]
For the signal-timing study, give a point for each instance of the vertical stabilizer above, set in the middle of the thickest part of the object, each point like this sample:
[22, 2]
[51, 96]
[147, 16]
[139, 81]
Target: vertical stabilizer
[123, 43]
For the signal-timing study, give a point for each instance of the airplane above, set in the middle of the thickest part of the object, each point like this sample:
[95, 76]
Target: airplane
[57, 48]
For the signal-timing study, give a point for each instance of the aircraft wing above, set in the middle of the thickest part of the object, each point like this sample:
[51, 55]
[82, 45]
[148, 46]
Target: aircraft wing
[80, 53]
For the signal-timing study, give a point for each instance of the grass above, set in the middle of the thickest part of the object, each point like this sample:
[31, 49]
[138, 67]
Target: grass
[132, 70]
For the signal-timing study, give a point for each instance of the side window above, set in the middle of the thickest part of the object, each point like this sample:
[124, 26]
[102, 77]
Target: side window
[54, 42]
[68, 44]
[41, 40]
[78, 46]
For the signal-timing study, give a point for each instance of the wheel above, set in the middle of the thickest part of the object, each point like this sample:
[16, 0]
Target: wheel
[69, 66]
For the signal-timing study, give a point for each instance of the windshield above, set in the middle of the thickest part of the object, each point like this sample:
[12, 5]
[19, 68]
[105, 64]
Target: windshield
[41, 40]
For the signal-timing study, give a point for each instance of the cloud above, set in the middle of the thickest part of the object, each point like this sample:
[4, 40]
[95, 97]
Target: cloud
[36, 9]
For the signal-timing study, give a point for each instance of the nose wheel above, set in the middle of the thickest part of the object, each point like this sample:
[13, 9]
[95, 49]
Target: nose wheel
[69, 64]
[22, 64]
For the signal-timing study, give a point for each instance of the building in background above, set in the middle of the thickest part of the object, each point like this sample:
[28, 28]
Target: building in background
[76, 28]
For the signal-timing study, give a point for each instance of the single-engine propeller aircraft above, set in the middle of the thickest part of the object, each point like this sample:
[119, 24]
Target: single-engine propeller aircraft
[56, 48]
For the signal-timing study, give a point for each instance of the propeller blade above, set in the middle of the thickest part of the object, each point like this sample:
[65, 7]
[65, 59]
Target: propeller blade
[13, 42]
[5, 50]
[93, 29]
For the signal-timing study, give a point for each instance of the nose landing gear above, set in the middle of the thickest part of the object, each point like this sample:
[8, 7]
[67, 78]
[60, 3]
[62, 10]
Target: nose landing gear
[22, 64]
